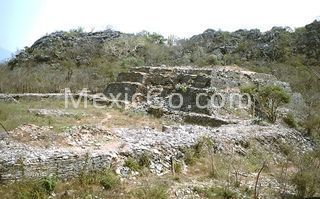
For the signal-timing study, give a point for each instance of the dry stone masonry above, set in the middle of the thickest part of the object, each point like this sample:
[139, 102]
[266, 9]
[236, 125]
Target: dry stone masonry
[208, 96]
[30, 151]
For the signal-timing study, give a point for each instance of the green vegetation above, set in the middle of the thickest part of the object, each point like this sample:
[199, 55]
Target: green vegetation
[13, 115]
[99, 184]
[142, 161]
[155, 191]
[132, 164]
[291, 55]
[109, 180]
[307, 177]
[312, 124]
[49, 183]
[290, 120]
[182, 87]
[177, 167]
[216, 192]
[201, 148]
[267, 99]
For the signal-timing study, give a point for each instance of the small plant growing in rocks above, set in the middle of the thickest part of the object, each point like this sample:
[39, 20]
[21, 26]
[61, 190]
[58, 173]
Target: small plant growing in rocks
[132, 164]
[144, 160]
[109, 180]
[212, 89]
[182, 87]
[177, 167]
[290, 120]
[49, 183]
[215, 192]
[155, 191]
[202, 147]
[189, 156]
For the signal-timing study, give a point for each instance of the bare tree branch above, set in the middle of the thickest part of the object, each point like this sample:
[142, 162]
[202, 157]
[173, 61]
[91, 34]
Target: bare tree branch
[255, 193]
[4, 128]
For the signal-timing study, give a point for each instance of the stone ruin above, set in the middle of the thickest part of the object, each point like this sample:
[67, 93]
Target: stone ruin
[33, 152]
[208, 96]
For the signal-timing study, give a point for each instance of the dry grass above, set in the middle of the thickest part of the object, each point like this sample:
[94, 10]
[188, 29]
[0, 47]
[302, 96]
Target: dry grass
[91, 185]
[13, 115]
[42, 78]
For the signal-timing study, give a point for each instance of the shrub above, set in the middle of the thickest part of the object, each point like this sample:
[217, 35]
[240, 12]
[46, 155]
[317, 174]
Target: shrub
[189, 156]
[49, 183]
[29, 188]
[307, 178]
[177, 167]
[136, 165]
[290, 120]
[215, 192]
[109, 180]
[202, 147]
[156, 112]
[157, 191]
[267, 99]
[144, 160]
[312, 124]
[271, 97]
[132, 164]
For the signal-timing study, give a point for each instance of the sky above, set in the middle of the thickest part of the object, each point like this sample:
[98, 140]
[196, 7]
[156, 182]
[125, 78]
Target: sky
[24, 21]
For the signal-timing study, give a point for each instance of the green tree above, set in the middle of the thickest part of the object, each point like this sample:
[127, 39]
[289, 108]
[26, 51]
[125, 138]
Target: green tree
[267, 99]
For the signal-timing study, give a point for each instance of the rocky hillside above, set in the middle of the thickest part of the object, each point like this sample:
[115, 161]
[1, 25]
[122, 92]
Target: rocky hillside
[77, 59]
[215, 47]
[76, 46]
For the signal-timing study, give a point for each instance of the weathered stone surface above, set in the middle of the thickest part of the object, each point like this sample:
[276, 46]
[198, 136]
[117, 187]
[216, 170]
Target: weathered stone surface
[193, 100]
[205, 120]
[51, 47]
[131, 77]
[123, 91]
[33, 152]
[51, 112]
[184, 78]
[159, 79]
[34, 96]
[167, 84]
[202, 81]
[140, 69]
